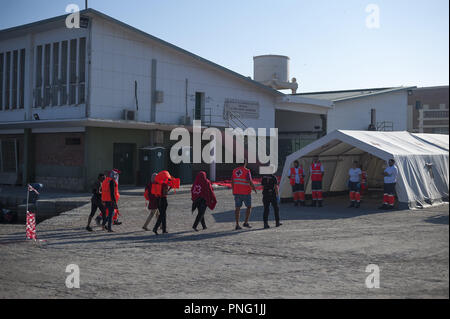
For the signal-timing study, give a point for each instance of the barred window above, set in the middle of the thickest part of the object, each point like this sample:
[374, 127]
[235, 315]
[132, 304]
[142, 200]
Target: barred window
[8, 155]
[435, 114]
[73, 71]
[55, 70]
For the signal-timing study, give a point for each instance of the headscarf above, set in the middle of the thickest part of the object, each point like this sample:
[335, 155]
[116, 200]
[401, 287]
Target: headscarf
[114, 174]
[202, 188]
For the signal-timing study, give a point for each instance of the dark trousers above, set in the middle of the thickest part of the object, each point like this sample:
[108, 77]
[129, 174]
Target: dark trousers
[97, 203]
[267, 201]
[201, 208]
[162, 207]
[109, 210]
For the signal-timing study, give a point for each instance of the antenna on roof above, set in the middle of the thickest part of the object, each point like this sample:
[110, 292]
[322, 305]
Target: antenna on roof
[85, 4]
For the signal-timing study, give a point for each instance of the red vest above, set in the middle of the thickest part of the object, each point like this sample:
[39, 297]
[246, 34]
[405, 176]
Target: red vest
[241, 183]
[106, 192]
[300, 172]
[363, 177]
[316, 172]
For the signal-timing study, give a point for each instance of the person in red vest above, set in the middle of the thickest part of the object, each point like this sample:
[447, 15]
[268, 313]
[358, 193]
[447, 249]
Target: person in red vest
[317, 173]
[242, 185]
[151, 202]
[364, 185]
[297, 181]
[354, 185]
[110, 196]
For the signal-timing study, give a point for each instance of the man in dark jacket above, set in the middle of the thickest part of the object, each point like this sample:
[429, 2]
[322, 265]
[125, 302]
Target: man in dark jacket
[96, 201]
[270, 197]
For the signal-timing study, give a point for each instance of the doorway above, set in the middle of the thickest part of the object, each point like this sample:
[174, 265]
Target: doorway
[123, 160]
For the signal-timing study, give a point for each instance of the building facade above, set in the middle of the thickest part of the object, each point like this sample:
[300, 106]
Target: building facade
[428, 110]
[78, 101]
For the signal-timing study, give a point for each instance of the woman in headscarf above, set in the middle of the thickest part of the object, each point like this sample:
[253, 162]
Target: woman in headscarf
[152, 205]
[202, 196]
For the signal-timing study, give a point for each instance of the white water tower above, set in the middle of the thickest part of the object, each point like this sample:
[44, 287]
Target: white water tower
[273, 70]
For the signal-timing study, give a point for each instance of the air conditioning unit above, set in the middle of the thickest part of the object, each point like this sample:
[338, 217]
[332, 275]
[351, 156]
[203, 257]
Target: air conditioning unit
[129, 115]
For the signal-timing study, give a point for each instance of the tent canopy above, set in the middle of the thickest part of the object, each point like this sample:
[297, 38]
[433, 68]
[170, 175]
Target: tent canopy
[419, 183]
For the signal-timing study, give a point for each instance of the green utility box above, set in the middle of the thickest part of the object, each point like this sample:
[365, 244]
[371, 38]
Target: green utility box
[184, 170]
[152, 159]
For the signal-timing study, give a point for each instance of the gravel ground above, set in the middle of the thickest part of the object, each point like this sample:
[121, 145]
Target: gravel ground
[316, 253]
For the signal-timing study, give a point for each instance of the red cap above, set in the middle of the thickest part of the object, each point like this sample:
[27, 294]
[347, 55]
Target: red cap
[117, 171]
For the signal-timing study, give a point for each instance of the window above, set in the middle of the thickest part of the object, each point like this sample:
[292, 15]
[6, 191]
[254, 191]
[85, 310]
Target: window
[73, 72]
[22, 79]
[38, 89]
[82, 71]
[199, 105]
[73, 141]
[14, 79]
[63, 73]
[55, 70]
[7, 80]
[435, 114]
[47, 88]
[1, 80]
[418, 105]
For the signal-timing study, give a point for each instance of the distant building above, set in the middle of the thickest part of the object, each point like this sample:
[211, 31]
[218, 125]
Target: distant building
[428, 110]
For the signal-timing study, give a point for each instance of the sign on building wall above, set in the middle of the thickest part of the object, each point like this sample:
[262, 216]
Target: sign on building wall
[244, 109]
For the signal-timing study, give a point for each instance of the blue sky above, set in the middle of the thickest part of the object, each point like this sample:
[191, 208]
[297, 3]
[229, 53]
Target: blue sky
[328, 42]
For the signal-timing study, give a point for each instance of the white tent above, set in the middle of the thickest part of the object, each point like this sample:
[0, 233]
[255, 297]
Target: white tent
[419, 183]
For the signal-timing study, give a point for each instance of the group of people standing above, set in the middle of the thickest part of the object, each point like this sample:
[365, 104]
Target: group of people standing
[357, 183]
[106, 194]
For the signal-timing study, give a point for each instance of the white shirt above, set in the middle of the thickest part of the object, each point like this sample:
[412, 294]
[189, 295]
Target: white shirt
[392, 174]
[297, 176]
[354, 174]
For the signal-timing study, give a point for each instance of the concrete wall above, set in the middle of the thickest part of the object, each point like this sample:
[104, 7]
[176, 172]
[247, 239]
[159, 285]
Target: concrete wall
[58, 165]
[355, 114]
[120, 57]
[100, 147]
[287, 121]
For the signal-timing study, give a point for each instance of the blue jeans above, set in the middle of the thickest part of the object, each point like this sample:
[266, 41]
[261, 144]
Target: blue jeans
[239, 199]
[109, 208]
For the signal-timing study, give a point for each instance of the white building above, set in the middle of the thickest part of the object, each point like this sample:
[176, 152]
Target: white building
[75, 102]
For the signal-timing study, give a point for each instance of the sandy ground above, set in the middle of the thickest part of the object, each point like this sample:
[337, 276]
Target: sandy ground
[316, 253]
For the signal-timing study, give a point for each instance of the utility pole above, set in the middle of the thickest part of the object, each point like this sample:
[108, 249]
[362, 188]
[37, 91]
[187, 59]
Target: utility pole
[85, 4]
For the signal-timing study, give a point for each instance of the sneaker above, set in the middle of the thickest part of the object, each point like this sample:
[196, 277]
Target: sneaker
[205, 228]
[155, 231]
[266, 226]
[88, 228]
[278, 225]
[117, 223]
[238, 227]
[194, 228]
[165, 232]
[110, 231]
[145, 228]
[247, 225]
